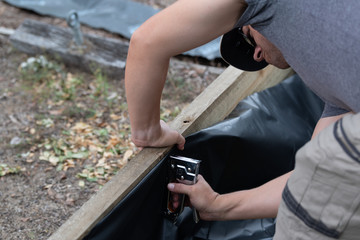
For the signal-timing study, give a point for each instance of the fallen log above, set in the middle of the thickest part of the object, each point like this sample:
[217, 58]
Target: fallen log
[210, 107]
[34, 37]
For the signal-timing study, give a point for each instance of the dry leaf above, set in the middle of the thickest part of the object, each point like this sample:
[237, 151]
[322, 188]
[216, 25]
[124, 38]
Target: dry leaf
[32, 131]
[115, 117]
[24, 219]
[30, 160]
[126, 157]
[113, 141]
[53, 160]
[108, 154]
[82, 127]
[57, 112]
[81, 183]
[51, 193]
[48, 186]
[69, 201]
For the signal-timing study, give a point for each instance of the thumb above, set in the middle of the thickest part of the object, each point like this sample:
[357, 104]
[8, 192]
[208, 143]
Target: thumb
[179, 188]
[180, 142]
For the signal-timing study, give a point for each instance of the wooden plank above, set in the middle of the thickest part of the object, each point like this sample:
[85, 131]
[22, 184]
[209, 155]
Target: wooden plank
[221, 97]
[212, 106]
[34, 37]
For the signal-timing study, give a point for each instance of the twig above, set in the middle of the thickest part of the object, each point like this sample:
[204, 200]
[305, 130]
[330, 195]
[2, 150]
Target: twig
[6, 31]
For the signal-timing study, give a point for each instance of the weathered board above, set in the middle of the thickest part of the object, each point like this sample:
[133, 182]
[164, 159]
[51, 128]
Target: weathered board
[34, 37]
[210, 107]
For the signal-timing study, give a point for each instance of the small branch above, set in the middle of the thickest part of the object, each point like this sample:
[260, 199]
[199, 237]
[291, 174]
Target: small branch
[6, 31]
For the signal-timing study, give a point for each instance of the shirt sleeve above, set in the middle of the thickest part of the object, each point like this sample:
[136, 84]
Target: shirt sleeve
[332, 110]
[258, 14]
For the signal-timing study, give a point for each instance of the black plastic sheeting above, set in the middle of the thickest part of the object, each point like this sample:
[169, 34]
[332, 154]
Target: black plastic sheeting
[118, 16]
[255, 144]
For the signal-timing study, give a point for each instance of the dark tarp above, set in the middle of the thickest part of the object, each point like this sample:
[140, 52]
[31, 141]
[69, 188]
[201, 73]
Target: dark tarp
[118, 16]
[255, 144]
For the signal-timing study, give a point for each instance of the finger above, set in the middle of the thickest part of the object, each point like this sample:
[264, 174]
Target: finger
[175, 200]
[179, 188]
[180, 142]
[200, 178]
[175, 205]
[171, 136]
[187, 201]
[175, 197]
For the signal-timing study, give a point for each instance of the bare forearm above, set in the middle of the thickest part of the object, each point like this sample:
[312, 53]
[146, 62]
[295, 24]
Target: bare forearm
[144, 83]
[263, 201]
[260, 202]
[184, 25]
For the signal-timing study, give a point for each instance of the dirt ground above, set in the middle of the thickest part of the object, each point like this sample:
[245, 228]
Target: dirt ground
[40, 188]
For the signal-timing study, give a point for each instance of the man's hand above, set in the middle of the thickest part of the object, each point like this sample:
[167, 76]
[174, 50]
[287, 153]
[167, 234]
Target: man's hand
[160, 136]
[202, 197]
[260, 202]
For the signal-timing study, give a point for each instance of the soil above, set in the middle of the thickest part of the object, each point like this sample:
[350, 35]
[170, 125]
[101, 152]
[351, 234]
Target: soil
[36, 195]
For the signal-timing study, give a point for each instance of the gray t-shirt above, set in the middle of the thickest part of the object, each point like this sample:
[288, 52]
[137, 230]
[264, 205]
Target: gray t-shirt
[320, 40]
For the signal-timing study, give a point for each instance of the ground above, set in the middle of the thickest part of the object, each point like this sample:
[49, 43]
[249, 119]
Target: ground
[63, 132]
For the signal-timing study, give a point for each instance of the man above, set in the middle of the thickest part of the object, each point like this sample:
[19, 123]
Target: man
[320, 40]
